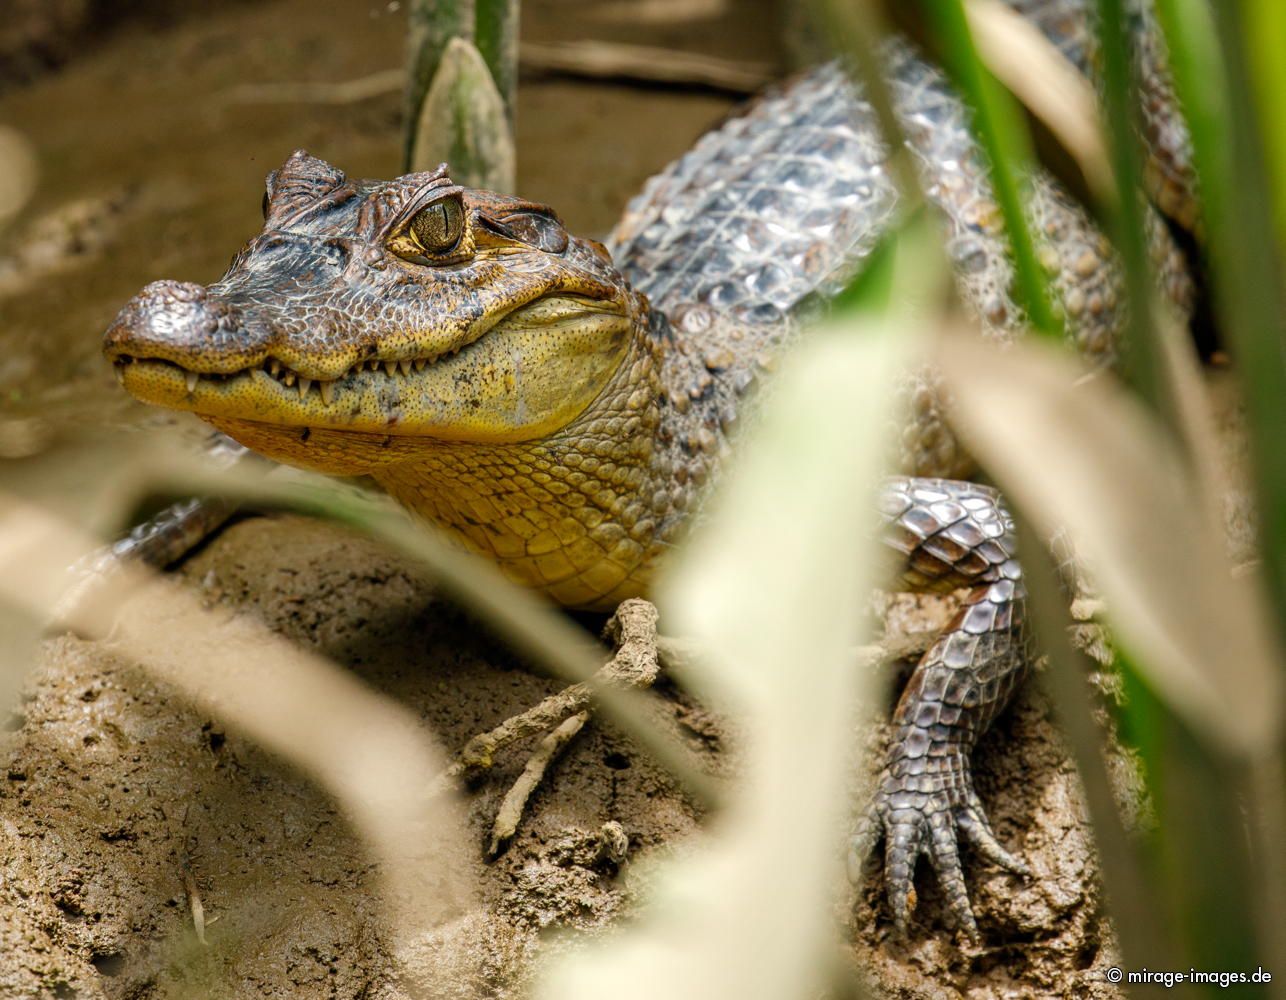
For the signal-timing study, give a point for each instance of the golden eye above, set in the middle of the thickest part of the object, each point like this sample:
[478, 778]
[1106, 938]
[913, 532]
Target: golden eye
[437, 228]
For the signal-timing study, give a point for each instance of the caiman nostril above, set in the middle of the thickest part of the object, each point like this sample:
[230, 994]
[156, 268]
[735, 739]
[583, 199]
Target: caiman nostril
[174, 291]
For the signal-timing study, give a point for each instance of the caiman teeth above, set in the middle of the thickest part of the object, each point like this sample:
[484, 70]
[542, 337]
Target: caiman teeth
[290, 378]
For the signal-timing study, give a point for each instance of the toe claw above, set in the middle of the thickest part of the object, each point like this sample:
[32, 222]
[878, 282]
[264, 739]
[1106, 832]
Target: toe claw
[862, 842]
[903, 843]
[945, 856]
[915, 820]
[972, 822]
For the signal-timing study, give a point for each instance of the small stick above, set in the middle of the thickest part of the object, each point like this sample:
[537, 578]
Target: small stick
[515, 801]
[633, 628]
[643, 64]
[194, 903]
[591, 60]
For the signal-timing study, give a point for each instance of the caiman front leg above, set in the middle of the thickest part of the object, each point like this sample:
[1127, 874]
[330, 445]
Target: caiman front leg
[949, 535]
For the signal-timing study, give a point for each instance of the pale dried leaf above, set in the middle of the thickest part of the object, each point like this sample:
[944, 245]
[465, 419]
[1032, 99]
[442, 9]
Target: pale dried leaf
[772, 588]
[1053, 89]
[1089, 458]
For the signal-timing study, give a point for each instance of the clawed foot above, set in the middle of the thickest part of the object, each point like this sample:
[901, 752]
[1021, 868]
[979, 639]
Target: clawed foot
[923, 804]
[632, 631]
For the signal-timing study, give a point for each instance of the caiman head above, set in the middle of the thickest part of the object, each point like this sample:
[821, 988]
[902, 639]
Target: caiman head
[412, 309]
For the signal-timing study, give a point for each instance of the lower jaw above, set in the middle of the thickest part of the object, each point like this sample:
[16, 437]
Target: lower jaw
[334, 452]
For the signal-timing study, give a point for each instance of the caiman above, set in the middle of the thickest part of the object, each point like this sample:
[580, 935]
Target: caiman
[562, 407]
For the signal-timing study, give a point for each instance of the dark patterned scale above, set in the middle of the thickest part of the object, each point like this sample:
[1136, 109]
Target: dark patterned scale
[950, 535]
[768, 216]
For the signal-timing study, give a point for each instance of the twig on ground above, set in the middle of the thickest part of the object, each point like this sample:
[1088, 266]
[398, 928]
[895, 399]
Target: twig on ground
[591, 60]
[363, 88]
[633, 628]
[515, 801]
[643, 64]
[679, 655]
[195, 907]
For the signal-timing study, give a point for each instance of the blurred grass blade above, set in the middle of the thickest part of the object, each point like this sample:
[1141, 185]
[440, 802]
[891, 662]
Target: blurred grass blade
[1134, 900]
[19, 171]
[1265, 44]
[463, 122]
[1087, 458]
[856, 31]
[1141, 360]
[520, 617]
[1198, 641]
[358, 744]
[1244, 257]
[497, 41]
[773, 585]
[19, 642]
[1006, 147]
[1047, 83]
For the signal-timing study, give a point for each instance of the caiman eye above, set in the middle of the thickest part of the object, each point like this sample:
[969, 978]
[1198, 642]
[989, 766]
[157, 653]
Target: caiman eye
[437, 228]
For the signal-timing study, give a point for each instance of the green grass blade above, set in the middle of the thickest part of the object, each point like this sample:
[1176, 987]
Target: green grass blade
[431, 24]
[1142, 364]
[1095, 461]
[1006, 145]
[1245, 259]
[1265, 43]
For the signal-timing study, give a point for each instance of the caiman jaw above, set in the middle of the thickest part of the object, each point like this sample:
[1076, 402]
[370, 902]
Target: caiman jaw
[473, 389]
[138, 373]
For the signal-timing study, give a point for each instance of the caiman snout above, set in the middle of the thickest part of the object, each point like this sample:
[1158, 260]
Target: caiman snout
[181, 322]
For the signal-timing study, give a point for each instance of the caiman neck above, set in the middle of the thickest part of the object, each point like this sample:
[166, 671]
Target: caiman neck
[584, 514]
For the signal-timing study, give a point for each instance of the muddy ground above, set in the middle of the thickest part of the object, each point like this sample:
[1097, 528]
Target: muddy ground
[117, 798]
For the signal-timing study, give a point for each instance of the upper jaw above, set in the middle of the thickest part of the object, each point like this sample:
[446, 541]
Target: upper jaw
[298, 389]
[206, 336]
[181, 323]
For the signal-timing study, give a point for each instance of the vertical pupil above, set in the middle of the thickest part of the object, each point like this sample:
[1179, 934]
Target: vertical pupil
[434, 228]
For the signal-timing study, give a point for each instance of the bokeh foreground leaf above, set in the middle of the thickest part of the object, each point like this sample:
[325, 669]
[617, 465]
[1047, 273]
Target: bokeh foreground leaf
[356, 743]
[1083, 455]
[773, 585]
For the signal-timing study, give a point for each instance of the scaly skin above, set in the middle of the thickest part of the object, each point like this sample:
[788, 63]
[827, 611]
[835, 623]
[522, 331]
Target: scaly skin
[564, 412]
[1171, 178]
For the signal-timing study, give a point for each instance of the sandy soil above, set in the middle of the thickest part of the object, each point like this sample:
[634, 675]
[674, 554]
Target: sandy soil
[117, 797]
[116, 792]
